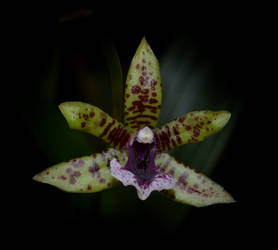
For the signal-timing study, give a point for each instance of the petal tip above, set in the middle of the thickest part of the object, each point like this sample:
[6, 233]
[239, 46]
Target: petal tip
[39, 178]
[222, 119]
[65, 108]
[229, 199]
[69, 111]
[36, 177]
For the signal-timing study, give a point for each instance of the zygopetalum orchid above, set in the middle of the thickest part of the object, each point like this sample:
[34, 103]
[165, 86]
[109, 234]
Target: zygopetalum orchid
[138, 155]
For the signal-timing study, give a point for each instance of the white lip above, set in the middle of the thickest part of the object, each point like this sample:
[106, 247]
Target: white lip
[145, 135]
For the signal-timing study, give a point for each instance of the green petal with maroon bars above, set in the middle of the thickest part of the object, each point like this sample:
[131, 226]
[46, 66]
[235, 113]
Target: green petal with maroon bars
[192, 187]
[86, 174]
[143, 92]
[192, 127]
[91, 119]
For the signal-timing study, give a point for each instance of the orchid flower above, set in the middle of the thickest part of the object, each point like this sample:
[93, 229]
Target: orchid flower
[138, 155]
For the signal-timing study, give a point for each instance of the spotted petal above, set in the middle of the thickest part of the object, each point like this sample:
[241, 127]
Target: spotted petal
[87, 174]
[192, 187]
[91, 119]
[143, 89]
[192, 127]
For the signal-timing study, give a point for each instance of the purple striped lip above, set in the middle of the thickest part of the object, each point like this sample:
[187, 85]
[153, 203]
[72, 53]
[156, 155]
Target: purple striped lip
[140, 169]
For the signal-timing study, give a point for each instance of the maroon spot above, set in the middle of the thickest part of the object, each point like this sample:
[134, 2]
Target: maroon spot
[174, 143]
[102, 180]
[144, 67]
[121, 137]
[164, 140]
[92, 114]
[154, 94]
[196, 132]
[83, 124]
[76, 174]
[135, 89]
[63, 177]
[79, 115]
[208, 122]
[89, 187]
[141, 116]
[132, 107]
[144, 73]
[143, 81]
[139, 104]
[168, 130]
[127, 95]
[72, 180]
[78, 164]
[181, 119]
[107, 128]
[85, 116]
[179, 139]
[153, 84]
[124, 141]
[182, 181]
[143, 98]
[172, 171]
[137, 66]
[140, 122]
[112, 134]
[153, 101]
[68, 170]
[187, 127]
[145, 91]
[190, 190]
[143, 60]
[175, 129]
[103, 121]
[135, 126]
[94, 170]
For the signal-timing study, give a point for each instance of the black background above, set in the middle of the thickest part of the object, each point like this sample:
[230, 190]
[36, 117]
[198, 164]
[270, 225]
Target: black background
[229, 38]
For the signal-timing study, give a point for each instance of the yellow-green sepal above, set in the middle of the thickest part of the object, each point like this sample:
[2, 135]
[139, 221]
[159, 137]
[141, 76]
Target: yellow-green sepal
[86, 174]
[192, 187]
[90, 119]
[192, 127]
[143, 93]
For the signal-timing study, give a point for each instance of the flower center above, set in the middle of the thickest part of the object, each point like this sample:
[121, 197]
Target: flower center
[141, 156]
[145, 135]
[141, 161]
[140, 170]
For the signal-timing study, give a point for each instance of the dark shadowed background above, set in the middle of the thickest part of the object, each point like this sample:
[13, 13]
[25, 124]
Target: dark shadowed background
[73, 54]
